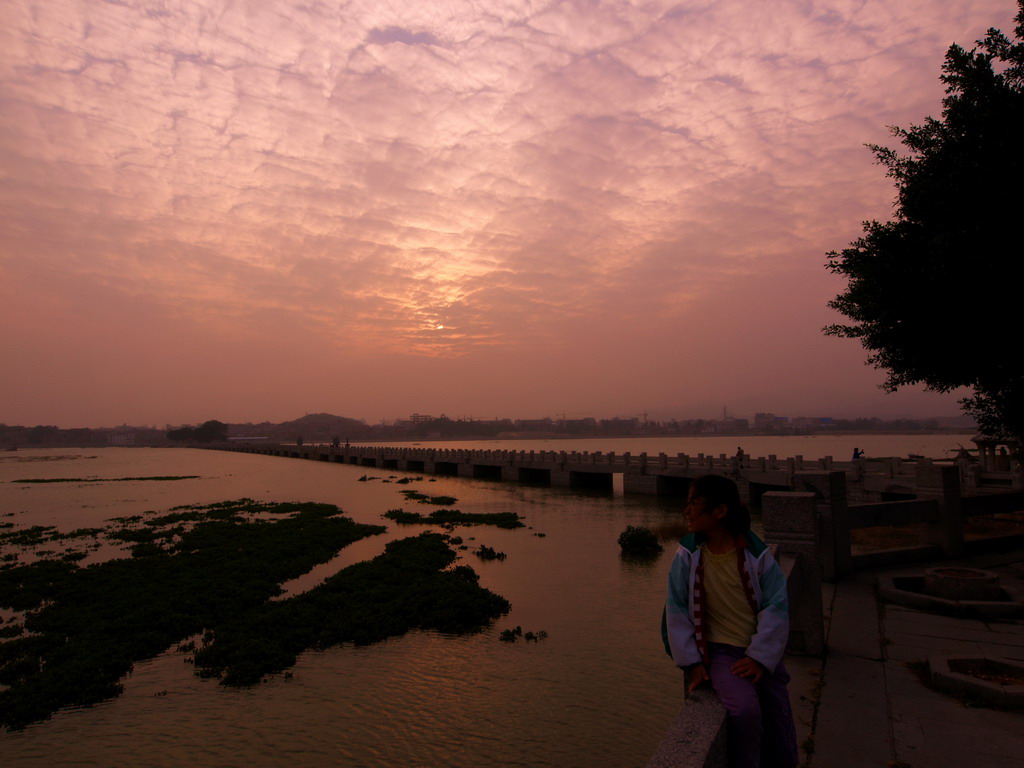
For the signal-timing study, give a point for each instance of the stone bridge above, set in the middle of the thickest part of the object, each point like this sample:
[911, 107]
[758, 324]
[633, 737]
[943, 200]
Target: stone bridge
[867, 480]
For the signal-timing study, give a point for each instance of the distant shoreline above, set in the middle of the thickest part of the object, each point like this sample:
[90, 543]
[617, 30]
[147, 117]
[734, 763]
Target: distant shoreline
[526, 436]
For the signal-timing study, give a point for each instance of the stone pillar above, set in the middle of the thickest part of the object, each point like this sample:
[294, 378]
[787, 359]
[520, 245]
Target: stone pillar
[646, 485]
[561, 479]
[942, 483]
[829, 489]
[790, 522]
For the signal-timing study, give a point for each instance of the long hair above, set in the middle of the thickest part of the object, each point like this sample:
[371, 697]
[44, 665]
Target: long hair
[717, 490]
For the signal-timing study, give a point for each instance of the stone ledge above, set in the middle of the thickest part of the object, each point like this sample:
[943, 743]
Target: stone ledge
[908, 590]
[960, 684]
[696, 738]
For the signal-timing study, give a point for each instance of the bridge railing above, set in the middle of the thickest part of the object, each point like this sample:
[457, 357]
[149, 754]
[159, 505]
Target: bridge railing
[890, 467]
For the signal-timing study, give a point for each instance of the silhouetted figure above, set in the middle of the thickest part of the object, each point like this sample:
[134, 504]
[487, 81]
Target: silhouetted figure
[857, 454]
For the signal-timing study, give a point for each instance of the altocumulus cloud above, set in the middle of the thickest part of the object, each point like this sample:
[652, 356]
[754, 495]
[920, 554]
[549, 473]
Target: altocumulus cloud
[516, 172]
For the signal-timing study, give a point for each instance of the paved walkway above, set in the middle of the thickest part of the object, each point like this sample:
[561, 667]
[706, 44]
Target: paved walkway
[874, 710]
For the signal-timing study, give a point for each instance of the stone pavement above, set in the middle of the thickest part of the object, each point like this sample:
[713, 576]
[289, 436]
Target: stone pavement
[866, 705]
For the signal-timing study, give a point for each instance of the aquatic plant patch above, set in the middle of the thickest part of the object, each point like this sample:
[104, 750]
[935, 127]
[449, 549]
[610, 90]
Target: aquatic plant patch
[422, 498]
[511, 635]
[213, 571]
[456, 517]
[103, 479]
[489, 553]
[439, 501]
[41, 534]
[407, 587]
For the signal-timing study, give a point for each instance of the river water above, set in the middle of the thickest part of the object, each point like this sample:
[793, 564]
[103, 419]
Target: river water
[598, 691]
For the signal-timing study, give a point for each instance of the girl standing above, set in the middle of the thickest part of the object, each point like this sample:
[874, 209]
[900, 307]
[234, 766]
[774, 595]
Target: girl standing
[727, 622]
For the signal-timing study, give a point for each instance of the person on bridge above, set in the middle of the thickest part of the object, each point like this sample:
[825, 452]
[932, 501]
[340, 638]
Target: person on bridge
[726, 621]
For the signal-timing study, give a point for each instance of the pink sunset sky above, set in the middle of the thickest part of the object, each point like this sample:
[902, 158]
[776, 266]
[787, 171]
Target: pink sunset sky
[257, 209]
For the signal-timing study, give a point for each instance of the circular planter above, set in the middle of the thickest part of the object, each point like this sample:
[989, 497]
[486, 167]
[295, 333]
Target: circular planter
[956, 583]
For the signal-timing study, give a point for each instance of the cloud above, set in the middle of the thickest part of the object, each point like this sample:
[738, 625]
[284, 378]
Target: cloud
[530, 175]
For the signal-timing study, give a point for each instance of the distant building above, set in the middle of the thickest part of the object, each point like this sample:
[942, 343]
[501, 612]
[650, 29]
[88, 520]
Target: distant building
[620, 426]
[121, 437]
[811, 422]
[534, 425]
[730, 424]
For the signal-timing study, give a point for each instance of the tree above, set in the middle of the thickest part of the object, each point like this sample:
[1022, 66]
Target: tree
[934, 294]
[212, 431]
[208, 432]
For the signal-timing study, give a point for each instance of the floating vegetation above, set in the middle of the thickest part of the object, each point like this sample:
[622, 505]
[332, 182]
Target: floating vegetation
[65, 457]
[212, 576]
[439, 501]
[540, 535]
[511, 635]
[103, 479]
[422, 498]
[489, 553]
[28, 537]
[455, 517]
[639, 541]
[404, 588]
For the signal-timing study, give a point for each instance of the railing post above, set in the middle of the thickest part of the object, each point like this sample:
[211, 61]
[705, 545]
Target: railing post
[942, 483]
[833, 517]
[790, 522]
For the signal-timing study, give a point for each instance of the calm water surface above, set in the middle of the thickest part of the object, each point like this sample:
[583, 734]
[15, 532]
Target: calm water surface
[598, 691]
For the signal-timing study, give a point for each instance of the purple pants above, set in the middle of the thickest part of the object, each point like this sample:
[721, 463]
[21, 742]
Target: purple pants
[761, 731]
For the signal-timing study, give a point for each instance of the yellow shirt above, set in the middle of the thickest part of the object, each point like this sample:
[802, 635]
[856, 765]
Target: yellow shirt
[729, 616]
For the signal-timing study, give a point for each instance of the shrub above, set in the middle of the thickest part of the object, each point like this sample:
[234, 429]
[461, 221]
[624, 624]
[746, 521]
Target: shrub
[636, 540]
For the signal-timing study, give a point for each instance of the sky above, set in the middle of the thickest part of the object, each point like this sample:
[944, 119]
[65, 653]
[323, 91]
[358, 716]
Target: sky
[253, 210]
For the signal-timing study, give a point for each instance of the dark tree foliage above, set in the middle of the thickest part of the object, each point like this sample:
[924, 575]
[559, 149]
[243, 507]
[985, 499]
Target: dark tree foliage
[208, 432]
[934, 294]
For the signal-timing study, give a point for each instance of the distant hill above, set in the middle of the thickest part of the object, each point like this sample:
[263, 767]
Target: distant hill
[312, 428]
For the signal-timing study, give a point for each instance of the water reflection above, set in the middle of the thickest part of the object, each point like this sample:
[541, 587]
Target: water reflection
[598, 691]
